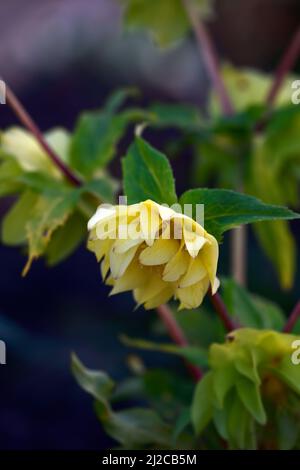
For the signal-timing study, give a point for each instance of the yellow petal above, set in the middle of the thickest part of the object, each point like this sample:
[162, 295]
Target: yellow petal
[121, 246]
[195, 273]
[192, 296]
[104, 267]
[130, 230]
[159, 253]
[177, 266]
[133, 278]
[119, 262]
[193, 243]
[102, 215]
[209, 256]
[166, 213]
[215, 286]
[150, 221]
[100, 247]
[151, 288]
[159, 299]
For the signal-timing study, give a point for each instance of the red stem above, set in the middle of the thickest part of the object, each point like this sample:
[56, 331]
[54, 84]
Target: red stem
[210, 57]
[286, 64]
[221, 310]
[29, 123]
[177, 336]
[292, 320]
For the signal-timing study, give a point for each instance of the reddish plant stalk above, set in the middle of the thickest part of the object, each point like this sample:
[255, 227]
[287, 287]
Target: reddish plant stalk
[29, 123]
[293, 318]
[205, 43]
[177, 335]
[222, 312]
[285, 65]
[210, 57]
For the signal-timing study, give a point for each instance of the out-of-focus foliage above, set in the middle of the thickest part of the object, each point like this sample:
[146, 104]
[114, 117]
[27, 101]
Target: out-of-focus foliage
[134, 428]
[250, 309]
[274, 176]
[252, 386]
[166, 20]
[258, 150]
[248, 87]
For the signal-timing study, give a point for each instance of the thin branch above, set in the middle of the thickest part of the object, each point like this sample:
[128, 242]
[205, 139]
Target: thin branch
[238, 248]
[221, 310]
[285, 66]
[177, 335]
[239, 237]
[210, 57]
[293, 318]
[29, 123]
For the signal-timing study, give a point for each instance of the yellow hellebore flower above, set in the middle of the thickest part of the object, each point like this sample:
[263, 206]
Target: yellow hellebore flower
[249, 87]
[154, 251]
[24, 148]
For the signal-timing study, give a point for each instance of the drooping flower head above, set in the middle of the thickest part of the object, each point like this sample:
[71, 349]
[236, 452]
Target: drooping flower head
[155, 252]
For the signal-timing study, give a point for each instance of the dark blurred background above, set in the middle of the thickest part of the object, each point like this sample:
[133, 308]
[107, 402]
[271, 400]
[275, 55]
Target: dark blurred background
[62, 56]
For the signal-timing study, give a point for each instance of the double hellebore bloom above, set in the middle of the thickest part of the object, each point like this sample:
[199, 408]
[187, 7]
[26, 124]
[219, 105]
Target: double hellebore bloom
[155, 252]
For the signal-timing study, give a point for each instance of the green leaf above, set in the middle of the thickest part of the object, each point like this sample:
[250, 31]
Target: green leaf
[179, 116]
[97, 134]
[10, 171]
[195, 355]
[14, 223]
[216, 161]
[166, 392]
[273, 178]
[225, 209]
[136, 428]
[147, 174]
[246, 364]
[238, 425]
[118, 98]
[42, 183]
[182, 422]
[94, 141]
[202, 408]
[251, 311]
[249, 394]
[133, 428]
[104, 188]
[166, 20]
[66, 239]
[200, 326]
[223, 381]
[289, 373]
[49, 213]
[272, 236]
[59, 140]
[273, 315]
[98, 384]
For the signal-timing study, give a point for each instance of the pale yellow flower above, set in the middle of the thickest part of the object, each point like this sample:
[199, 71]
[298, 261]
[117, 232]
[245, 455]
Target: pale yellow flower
[249, 87]
[25, 149]
[155, 252]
